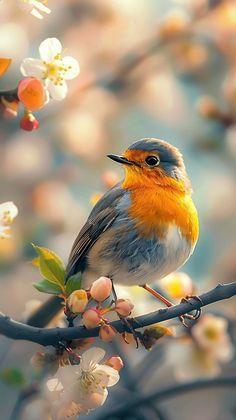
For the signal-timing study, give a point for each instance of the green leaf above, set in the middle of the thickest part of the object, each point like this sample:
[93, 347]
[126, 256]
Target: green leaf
[73, 283]
[46, 286]
[51, 266]
[12, 376]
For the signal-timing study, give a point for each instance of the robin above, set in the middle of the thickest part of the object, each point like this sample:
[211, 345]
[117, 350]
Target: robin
[143, 228]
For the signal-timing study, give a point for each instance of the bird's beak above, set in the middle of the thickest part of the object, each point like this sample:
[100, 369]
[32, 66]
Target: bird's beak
[120, 159]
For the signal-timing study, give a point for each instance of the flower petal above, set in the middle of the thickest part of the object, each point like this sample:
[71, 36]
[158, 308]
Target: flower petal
[91, 357]
[50, 48]
[72, 67]
[10, 208]
[57, 92]
[33, 67]
[38, 5]
[107, 375]
[54, 385]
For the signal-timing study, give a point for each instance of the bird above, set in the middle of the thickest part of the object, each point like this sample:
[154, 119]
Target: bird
[143, 228]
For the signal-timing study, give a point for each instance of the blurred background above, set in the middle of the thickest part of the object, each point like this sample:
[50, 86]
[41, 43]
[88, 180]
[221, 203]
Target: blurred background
[163, 69]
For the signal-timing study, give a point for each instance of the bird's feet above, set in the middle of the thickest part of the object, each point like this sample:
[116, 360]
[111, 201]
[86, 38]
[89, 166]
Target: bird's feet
[169, 304]
[192, 317]
[127, 322]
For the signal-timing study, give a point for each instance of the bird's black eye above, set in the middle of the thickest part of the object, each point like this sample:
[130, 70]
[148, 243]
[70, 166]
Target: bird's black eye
[152, 161]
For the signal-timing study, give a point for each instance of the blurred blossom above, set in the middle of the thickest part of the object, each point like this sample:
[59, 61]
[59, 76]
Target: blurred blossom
[210, 334]
[87, 383]
[177, 285]
[188, 56]
[110, 178]
[207, 107]
[35, 7]
[108, 103]
[83, 135]
[37, 409]
[13, 41]
[175, 22]
[223, 200]
[229, 89]
[10, 248]
[203, 356]
[53, 202]
[223, 17]
[52, 68]
[33, 152]
[162, 96]
[8, 212]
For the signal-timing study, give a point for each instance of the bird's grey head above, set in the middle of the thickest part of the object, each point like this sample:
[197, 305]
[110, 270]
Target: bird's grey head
[155, 158]
[161, 154]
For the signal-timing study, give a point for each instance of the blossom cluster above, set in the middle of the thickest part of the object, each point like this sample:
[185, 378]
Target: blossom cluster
[44, 79]
[8, 212]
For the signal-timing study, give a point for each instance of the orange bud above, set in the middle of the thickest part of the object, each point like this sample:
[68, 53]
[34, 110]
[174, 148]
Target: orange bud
[29, 122]
[101, 289]
[124, 307]
[77, 301]
[107, 332]
[31, 93]
[4, 64]
[116, 362]
[91, 318]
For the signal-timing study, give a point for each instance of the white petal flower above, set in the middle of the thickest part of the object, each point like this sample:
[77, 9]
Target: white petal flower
[52, 68]
[8, 211]
[35, 7]
[85, 384]
[210, 333]
[34, 67]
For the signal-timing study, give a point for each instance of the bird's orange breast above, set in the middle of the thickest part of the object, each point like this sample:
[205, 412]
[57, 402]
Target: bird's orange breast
[154, 208]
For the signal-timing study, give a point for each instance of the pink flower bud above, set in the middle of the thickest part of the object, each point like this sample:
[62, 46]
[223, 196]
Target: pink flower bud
[124, 307]
[91, 318]
[101, 289]
[107, 332]
[77, 301]
[116, 362]
[29, 122]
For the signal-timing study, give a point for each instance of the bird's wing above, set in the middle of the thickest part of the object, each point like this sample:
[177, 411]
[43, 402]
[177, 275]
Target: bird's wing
[101, 218]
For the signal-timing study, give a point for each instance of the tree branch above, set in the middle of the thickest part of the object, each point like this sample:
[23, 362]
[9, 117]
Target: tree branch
[52, 336]
[166, 393]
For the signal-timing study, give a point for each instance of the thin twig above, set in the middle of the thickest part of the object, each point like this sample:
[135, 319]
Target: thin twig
[51, 336]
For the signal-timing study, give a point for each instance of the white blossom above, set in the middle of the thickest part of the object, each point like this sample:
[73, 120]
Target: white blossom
[51, 68]
[35, 7]
[8, 211]
[85, 385]
[202, 355]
